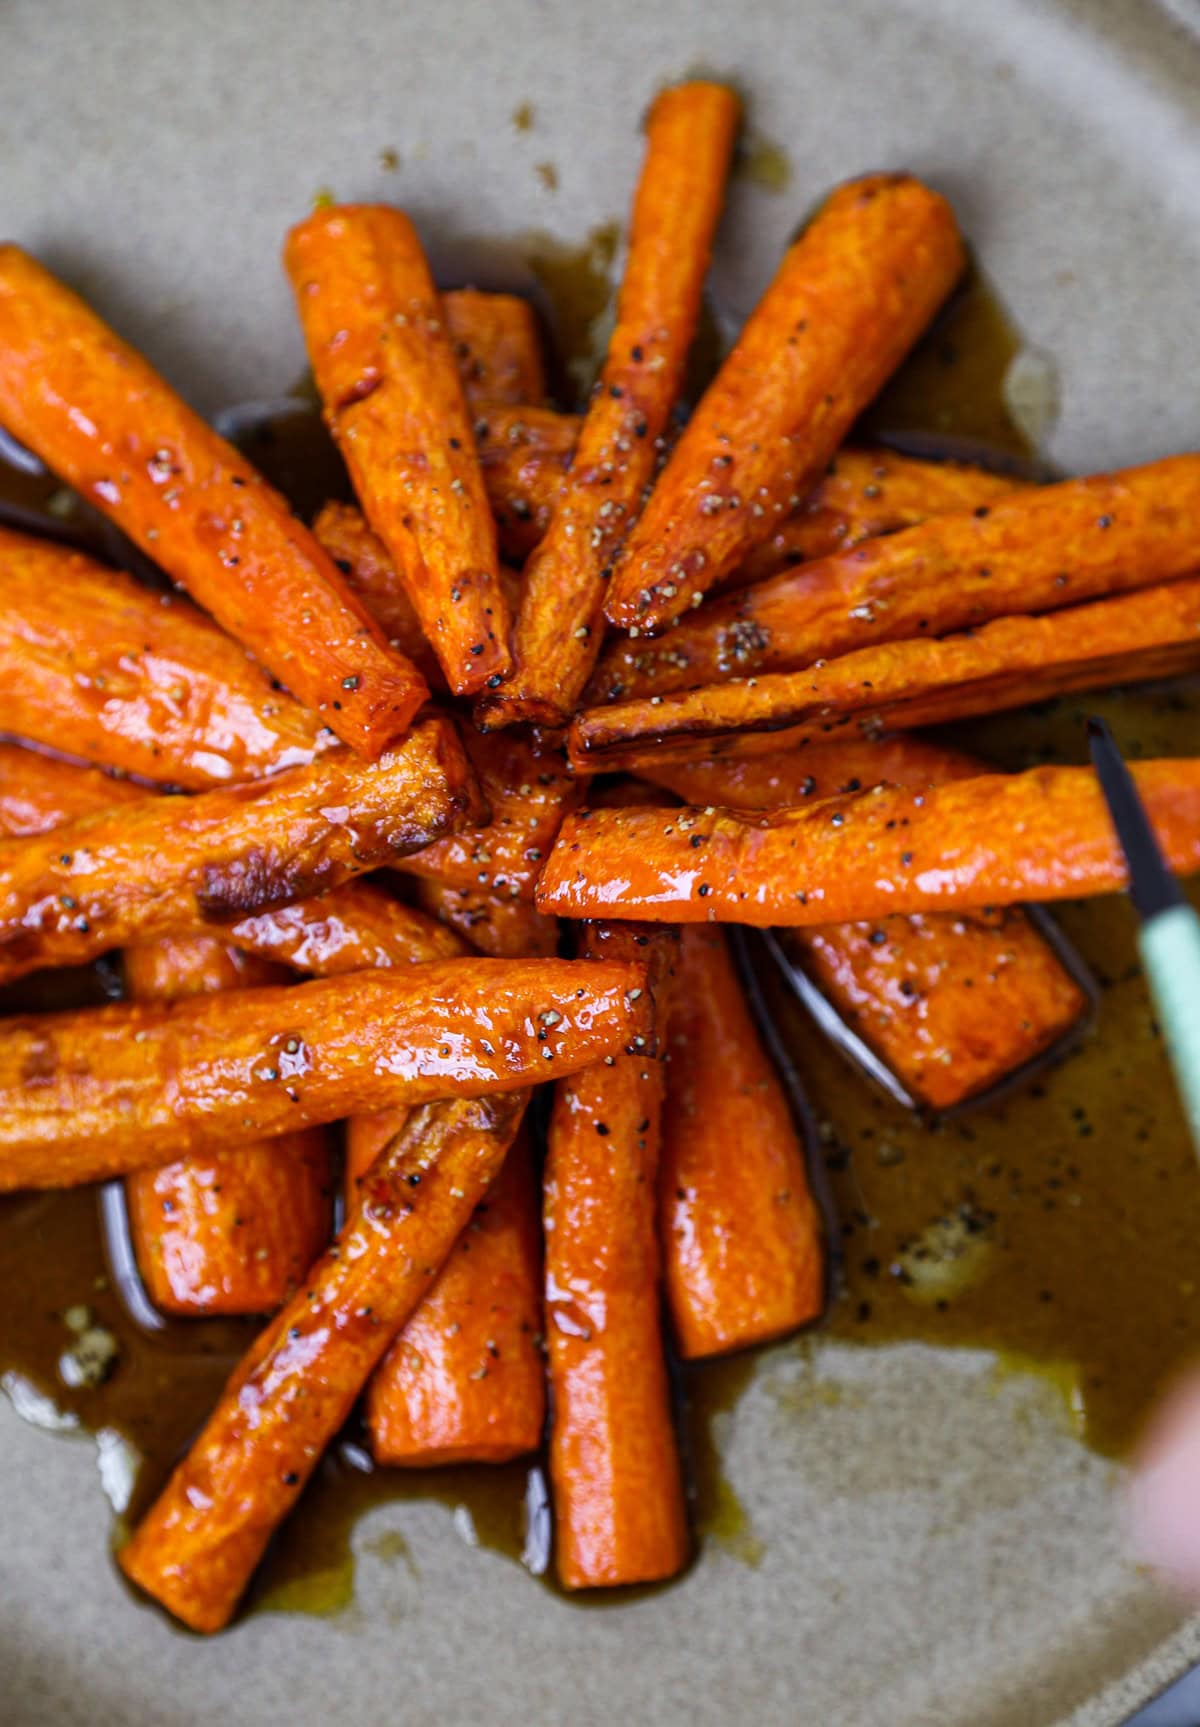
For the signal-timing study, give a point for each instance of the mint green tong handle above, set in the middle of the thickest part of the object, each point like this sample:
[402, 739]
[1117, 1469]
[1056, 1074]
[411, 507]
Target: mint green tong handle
[1170, 949]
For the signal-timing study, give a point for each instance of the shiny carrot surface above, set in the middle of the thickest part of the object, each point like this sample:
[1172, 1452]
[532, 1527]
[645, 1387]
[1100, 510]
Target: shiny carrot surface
[492, 922]
[850, 298]
[465, 1381]
[741, 1236]
[94, 663]
[952, 1002]
[524, 453]
[1037, 550]
[224, 1231]
[393, 400]
[39, 791]
[196, 1549]
[99, 416]
[996, 840]
[1005, 664]
[172, 865]
[364, 562]
[497, 346]
[689, 140]
[614, 1467]
[127, 1086]
[528, 791]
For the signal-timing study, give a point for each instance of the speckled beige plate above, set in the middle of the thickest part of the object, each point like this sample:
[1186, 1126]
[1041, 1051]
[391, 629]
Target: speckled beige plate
[937, 1550]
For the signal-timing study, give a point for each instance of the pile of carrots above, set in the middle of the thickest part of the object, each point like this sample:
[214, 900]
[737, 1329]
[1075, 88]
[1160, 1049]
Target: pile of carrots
[362, 752]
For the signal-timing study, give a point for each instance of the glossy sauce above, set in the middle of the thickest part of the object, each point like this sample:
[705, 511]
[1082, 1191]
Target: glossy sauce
[985, 1232]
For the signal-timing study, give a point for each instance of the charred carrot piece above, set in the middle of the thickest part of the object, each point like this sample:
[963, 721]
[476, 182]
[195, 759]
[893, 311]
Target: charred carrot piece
[1005, 664]
[130, 1085]
[224, 1231]
[740, 1232]
[92, 661]
[492, 922]
[618, 1496]
[383, 363]
[524, 453]
[169, 866]
[851, 297]
[97, 414]
[1035, 551]
[689, 140]
[497, 345]
[953, 1002]
[528, 791]
[996, 840]
[196, 1549]
[465, 1380]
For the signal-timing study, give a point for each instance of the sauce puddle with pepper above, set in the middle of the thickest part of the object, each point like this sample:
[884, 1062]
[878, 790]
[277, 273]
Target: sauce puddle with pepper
[985, 1232]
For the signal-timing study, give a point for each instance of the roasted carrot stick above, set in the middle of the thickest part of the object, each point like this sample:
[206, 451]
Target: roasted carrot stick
[528, 791]
[97, 414]
[465, 1380]
[851, 296]
[108, 1090]
[996, 840]
[689, 139]
[1005, 664]
[1037, 550]
[39, 791]
[224, 1231]
[370, 574]
[741, 1235]
[175, 865]
[952, 1002]
[393, 400]
[197, 1547]
[524, 453]
[497, 345]
[93, 662]
[614, 1468]
[493, 922]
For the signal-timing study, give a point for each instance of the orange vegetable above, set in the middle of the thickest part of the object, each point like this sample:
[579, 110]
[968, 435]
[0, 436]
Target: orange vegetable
[689, 139]
[224, 1231]
[999, 839]
[493, 922]
[848, 301]
[107, 1090]
[39, 791]
[197, 1547]
[175, 865]
[1035, 551]
[465, 1380]
[93, 662]
[497, 345]
[99, 416]
[528, 791]
[618, 1495]
[384, 366]
[807, 774]
[741, 1235]
[1004, 664]
[524, 453]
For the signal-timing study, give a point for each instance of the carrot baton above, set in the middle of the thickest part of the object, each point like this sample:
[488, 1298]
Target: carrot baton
[524, 453]
[614, 1467]
[528, 791]
[689, 140]
[740, 1232]
[895, 685]
[850, 298]
[39, 791]
[492, 922]
[1000, 839]
[92, 661]
[1037, 550]
[99, 416]
[384, 366]
[175, 865]
[497, 345]
[107, 1090]
[196, 1549]
[223, 1231]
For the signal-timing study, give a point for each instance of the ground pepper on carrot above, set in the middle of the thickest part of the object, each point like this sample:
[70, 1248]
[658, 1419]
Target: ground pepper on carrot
[497, 346]
[102, 419]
